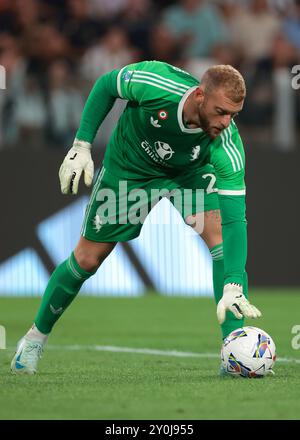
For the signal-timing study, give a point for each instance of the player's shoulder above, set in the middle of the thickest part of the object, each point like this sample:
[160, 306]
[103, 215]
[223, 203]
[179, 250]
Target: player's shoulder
[170, 70]
[157, 69]
[149, 81]
[228, 148]
[229, 135]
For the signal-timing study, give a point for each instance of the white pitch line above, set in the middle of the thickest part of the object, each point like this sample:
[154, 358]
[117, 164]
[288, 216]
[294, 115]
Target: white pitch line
[151, 351]
[134, 350]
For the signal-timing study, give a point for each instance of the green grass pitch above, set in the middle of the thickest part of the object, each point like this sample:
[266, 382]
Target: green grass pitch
[75, 381]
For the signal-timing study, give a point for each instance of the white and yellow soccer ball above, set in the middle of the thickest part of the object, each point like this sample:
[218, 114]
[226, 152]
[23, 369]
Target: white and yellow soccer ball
[248, 352]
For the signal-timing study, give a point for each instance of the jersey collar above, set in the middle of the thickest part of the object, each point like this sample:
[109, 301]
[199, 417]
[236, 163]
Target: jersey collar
[180, 113]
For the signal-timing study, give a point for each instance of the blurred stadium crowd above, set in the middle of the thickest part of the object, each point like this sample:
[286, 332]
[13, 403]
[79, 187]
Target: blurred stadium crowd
[54, 50]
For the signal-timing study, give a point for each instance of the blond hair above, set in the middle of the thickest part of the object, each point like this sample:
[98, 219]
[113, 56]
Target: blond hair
[225, 77]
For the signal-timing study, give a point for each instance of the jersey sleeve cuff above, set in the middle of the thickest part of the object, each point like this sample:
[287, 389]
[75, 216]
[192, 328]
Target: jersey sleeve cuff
[232, 192]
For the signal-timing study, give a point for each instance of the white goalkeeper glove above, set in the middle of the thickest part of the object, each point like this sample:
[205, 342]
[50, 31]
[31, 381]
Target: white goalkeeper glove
[235, 301]
[77, 160]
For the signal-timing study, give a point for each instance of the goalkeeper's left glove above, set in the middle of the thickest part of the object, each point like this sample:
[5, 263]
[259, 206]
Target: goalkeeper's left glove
[235, 301]
[77, 160]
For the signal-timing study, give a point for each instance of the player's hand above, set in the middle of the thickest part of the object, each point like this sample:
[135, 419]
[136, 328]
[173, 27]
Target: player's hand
[235, 301]
[77, 160]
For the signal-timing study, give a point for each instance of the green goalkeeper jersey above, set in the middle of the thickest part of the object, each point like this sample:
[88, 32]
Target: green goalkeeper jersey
[151, 140]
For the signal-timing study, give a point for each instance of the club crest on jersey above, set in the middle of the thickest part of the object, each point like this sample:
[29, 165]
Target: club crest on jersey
[162, 114]
[164, 150]
[195, 152]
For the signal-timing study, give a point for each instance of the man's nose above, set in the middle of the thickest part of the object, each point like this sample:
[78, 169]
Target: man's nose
[226, 121]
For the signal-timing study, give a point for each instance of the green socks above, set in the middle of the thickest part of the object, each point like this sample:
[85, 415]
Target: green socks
[231, 322]
[62, 288]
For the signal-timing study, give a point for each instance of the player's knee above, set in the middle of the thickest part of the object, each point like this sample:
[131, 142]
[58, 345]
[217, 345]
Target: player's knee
[90, 255]
[86, 261]
[212, 238]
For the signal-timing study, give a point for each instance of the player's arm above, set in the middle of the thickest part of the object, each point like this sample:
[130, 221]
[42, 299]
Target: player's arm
[123, 83]
[227, 156]
[109, 87]
[137, 83]
[78, 160]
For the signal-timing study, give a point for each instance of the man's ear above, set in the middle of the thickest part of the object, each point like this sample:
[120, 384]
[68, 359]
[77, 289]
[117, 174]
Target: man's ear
[199, 94]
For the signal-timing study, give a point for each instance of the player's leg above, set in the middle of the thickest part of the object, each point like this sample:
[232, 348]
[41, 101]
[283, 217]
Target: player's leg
[98, 237]
[67, 279]
[63, 286]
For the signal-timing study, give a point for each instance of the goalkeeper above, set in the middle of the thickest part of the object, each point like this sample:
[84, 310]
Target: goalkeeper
[175, 134]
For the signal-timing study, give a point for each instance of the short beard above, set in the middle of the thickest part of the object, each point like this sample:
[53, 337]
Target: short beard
[204, 123]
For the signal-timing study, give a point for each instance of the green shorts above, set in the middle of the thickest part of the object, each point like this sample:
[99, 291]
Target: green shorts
[117, 208]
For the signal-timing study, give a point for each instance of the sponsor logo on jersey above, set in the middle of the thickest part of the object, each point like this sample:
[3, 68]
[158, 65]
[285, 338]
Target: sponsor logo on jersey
[159, 153]
[164, 150]
[162, 114]
[154, 122]
[149, 150]
[195, 152]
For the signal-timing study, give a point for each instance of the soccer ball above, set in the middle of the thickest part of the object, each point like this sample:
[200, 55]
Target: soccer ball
[248, 352]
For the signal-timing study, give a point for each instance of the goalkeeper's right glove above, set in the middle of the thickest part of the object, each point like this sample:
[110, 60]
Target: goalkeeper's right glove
[77, 160]
[235, 301]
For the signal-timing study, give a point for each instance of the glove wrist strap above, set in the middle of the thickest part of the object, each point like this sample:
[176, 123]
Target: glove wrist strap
[233, 285]
[82, 144]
